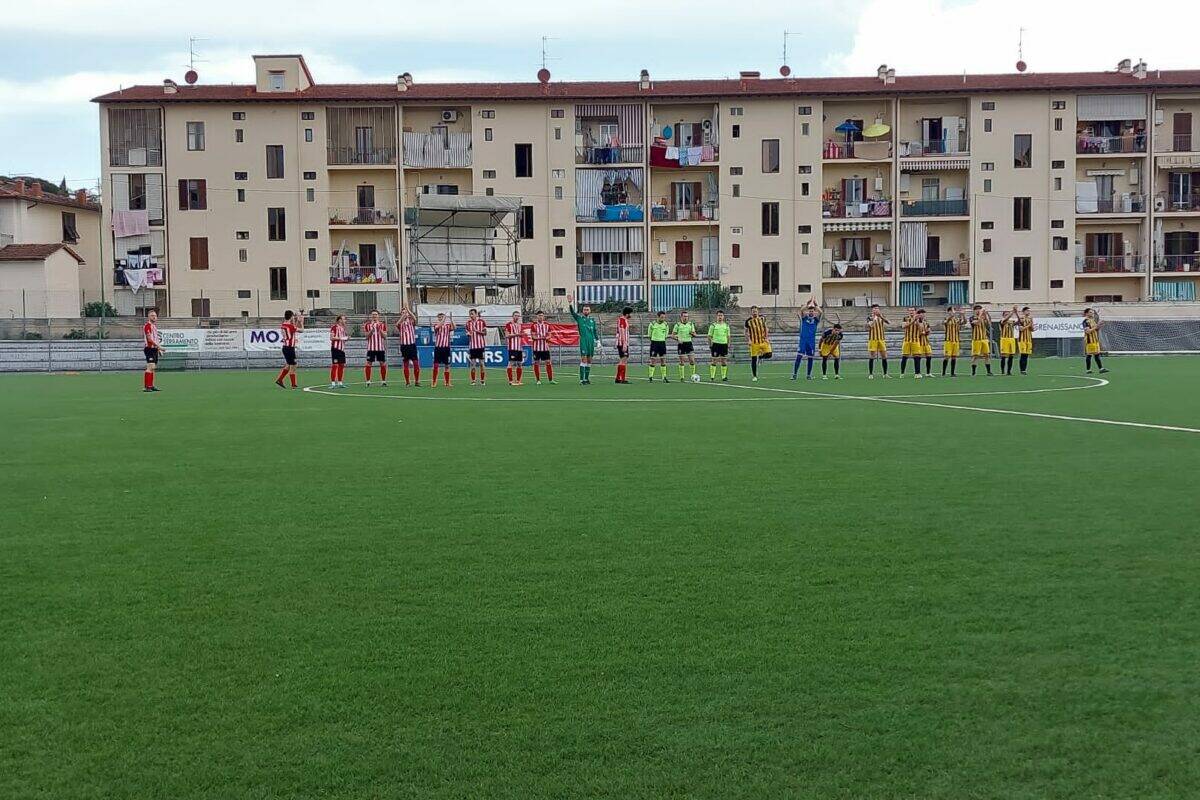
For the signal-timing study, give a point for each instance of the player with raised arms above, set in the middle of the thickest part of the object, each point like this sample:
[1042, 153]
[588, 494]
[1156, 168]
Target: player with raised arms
[1025, 339]
[476, 342]
[806, 347]
[1008, 340]
[760, 340]
[589, 336]
[406, 334]
[1091, 340]
[952, 345]
[981, 342]
[376, 333]
[337, 351]
[515, 338]
[443, 332]
[293, 323]
[876, 341]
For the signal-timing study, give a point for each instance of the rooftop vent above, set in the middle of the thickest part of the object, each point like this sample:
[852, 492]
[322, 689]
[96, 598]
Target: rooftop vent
[170, 86]
[404, 81]
[886, 75]
[1124, 66]
[1139, 70]
[644, 79]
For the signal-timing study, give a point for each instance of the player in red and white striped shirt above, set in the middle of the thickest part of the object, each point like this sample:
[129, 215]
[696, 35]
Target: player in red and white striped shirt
[337, 351]
[375, 330]
[406, 333]
[515, 338]
[292, 325]
[539, 332]
[476, 341]
[151, 349]
[623, 344]
[443, 330]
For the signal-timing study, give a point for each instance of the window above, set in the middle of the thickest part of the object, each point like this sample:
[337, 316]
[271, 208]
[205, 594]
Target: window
[311, 235]
[557, 133]
[1022, 150]
[770, 277]
[987, 124]
[770, 155]
[488, 113]
[1058, 105]
[804, 229]
[487, 134]
[736, 131]
[312, 254]
[240, 176]
[987, 225]
[804, 248]
[523, 156]
[804, 189]
[193, 194]
[241, 195]
[308, 134]
[558, 251]
[307, 115]
[1057, 164]
[1021, 272]
[986, 284]
[987, 166]
[557, 113]
[737, 190]
[69, 233]
[195, 136]
[367, 255]
[558, 233]
[1056, 284]
[988, 105]
[527, 283]
[1022, 213]
[274, 161]
[1058, 123]
[278, 279]
[275, 81]
[198, 252]
[1059, 243]
[243, 236]
[558, 193]
[276, 228]
[243, 255]
[243, 294]
[804, 129]
[1056, 223]
[987, 245]
[736, 289]
[735, 170]
[804, 169]
[200, 307]
[239, 135]
[310, 194]
[770, 219]
[137, 192]
[736, 111]
[1058, 184]
[987, 184]
[489, 174]
[557, 174]
[310, 176]
[489, 191]
[239, 115]
[736, 251]
[312, 294]
[804, 111]
[525, 223]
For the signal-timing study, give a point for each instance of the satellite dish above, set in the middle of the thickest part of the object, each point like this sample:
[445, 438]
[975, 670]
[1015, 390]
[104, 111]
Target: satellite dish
[544, 75]
[785, 70]
[1021, 65]
[191, 76]
[668, 132]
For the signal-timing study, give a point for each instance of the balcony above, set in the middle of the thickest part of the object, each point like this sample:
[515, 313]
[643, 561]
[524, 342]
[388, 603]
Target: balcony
[349, 217]
[1110, 145]
[355, 156]
[939, 268]
[620, 271]
[685, 272]
[701, 211]
[1168, 202]
[1178, 143]
[134, 157]
[934, 208]
[845, 270]
[617, 212]
[836, 209]
[952, 145]
[437, 151]
[152, 274]
[610, 154]
[345, 269]
[1107, 265]
[1178, 263]
[671, 157]
[865, 150]
[1124, 204]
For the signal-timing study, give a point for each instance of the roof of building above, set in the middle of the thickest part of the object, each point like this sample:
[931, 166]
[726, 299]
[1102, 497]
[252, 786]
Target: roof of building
[298, 56]
[12, 192]
[36, 252]
[672, 89]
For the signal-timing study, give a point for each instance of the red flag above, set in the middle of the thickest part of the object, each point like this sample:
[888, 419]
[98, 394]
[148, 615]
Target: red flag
[561, 335]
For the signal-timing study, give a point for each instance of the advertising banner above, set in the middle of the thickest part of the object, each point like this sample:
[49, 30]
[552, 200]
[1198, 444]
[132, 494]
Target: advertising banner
[494, 356]
[201, 340]
[272, 339]
[1058, 328]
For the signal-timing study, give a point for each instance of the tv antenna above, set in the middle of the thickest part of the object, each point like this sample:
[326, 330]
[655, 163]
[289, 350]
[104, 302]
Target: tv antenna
[544, 72]
[193, 59]
[1021, 65]
[784, 69]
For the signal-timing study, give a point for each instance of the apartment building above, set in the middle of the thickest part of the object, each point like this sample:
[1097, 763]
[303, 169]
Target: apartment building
[49, 251]
[1019, 188]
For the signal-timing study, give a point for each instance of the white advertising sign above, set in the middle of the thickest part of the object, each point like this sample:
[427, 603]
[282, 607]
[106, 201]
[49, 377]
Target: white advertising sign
[272, 339]
[201, 340]
[1058, 328]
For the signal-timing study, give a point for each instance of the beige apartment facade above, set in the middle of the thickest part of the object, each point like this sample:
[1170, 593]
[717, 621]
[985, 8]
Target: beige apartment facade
[927, 190]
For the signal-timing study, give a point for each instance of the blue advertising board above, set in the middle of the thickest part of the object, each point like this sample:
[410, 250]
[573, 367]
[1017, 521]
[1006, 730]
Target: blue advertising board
[425, 337]
[493, 356]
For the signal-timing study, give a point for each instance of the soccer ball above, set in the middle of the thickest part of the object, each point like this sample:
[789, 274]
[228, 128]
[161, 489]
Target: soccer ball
[695, 378]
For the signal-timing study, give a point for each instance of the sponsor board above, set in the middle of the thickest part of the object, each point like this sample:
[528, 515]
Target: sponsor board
[272, 339]
[493, 356]
[1058, 327]
[201, 340]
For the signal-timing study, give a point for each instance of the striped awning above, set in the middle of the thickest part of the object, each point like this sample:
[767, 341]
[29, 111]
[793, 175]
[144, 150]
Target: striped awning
[631, 124]
[1169, 161]
[931, 164]
[865, 224]
[600, 292]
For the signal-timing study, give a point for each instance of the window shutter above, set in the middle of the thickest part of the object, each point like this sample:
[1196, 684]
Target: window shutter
[183, 195]
[154, 196]
[202, 193]
[199, 252]
[120, 191]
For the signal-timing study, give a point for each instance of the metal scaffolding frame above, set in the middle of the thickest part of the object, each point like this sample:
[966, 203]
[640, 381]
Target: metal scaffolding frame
[458, 242]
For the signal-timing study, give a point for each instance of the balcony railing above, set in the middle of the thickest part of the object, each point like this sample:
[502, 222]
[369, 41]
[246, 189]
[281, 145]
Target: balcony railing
[362, 216]
[662, 155]
[1178, 263]
[435, 150]
[368, 156]
[618, 212]
[1169, 202]
[686, 272]
[939, 268]
[703, 211]
[1124, 204]
[951, 145]
[347, 270]
[836, 209]
[865, 149]
[153, 274]
[838, 269]
[610, 154]
[624, 271]
[1100, 145]
[1105, 264]
[134, 157]
[934, 208]
[1178, 143]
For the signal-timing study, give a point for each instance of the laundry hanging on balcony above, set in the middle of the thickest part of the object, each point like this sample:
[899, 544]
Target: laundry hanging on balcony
[589, 188]
[914, 241]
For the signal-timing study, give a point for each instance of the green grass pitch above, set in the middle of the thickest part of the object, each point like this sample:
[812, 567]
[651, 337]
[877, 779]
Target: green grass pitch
[226, 590]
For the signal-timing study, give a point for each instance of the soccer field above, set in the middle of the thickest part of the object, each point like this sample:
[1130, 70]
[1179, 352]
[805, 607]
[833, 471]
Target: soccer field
[855, 589]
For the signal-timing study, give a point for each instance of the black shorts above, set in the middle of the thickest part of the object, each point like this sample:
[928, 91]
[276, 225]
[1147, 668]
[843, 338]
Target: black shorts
[151, 354]
[541, 355]
[337, 356]
[377, 355]
[719, 350]
[408, 352]
[441, 355]
[516, 355]
[686, 348]
[289, 355]
[475, 354]
[658, 349]
[622, 351]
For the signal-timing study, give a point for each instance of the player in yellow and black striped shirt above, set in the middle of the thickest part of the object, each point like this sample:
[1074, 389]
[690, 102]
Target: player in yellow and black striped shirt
[1008, 340]
[759, 338]
[981, 339]
[1091, 340]
[876, 343]
[911, 348]
[1025, 338]
[952, 346]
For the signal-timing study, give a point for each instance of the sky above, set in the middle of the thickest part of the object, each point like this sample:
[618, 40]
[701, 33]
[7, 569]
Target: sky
[61, 53]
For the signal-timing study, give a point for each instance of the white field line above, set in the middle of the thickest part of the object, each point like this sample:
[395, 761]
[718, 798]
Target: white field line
[440, 395]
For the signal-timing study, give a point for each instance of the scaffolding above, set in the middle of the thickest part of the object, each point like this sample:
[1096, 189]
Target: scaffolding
[462, 243]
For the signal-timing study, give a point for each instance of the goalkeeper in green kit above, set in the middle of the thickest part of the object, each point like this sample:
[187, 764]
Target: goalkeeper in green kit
[589, 335]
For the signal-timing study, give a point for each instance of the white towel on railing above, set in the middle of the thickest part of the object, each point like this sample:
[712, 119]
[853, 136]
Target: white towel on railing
[130, 223]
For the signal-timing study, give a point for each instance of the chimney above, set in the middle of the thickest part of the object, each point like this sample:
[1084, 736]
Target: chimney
[644, 80]
[81, 196]
[1139, 70]
[35, 189]
[886, 75]
[1124, 66]
[170, 86]
[749, 75]
[407, 79]
[19, 186]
